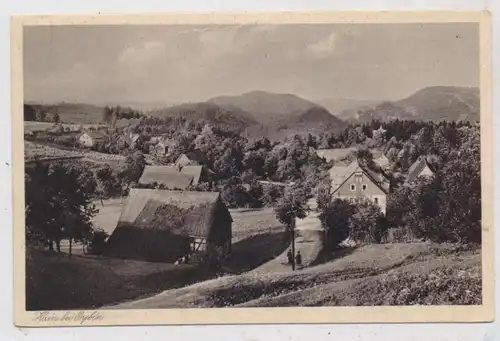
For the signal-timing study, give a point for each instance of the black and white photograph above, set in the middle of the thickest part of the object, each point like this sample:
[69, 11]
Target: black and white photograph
[264, 165]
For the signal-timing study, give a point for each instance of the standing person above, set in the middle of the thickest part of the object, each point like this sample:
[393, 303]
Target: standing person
[290, 256]
[298, 259]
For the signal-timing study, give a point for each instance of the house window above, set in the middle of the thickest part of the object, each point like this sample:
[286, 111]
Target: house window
[364, 187]
[376, 200]
[353, 188]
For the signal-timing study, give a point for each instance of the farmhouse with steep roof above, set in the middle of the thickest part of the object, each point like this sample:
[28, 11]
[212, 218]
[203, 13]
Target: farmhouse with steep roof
[355, 182]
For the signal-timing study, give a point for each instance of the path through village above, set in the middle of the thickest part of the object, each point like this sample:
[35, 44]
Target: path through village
[308, 241]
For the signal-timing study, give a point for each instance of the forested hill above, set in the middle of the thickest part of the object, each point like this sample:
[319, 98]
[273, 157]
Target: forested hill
[270, 108]
[281, 113]
[230, 118]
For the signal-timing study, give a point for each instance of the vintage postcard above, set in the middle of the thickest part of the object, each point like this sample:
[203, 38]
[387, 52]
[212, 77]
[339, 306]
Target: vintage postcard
[327, 167]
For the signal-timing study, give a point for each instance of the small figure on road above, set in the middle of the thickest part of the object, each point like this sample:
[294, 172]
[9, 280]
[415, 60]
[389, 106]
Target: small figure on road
[290, 256]
[298, 259]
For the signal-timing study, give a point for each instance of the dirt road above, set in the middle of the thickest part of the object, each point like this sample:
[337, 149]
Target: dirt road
[308, 240]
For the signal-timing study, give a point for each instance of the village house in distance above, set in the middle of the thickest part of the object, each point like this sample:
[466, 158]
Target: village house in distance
[420, 168]
[90, 138]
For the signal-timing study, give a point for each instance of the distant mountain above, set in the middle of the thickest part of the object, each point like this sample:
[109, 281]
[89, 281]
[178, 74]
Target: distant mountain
[267, 107]
[280, 112]
[444, 103]
[434, 103]
[231, 118]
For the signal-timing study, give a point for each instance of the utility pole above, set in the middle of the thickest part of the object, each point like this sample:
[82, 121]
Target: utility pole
[293, 244]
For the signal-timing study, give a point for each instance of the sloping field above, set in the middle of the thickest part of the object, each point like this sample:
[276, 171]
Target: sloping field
[45, 151]
[54, 281]
[34, 150]
[384, 274]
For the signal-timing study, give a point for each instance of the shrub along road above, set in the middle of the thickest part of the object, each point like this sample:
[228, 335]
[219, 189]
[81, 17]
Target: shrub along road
[308, 240]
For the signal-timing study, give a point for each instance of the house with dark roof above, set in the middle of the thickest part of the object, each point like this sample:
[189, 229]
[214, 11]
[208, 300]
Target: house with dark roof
[162, 225]
[192, 158]
[174, 177]
[90, 138]
[357, 182]
[420, 168]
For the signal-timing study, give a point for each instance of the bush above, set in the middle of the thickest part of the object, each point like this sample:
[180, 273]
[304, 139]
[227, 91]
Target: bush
[98, 241]
[335, 220]
[367, 224]
[271, 194]
[235, 195]
[402, 234]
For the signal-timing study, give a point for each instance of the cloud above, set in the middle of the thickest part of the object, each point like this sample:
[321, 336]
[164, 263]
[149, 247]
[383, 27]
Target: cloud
[323, 47]
[144, 54]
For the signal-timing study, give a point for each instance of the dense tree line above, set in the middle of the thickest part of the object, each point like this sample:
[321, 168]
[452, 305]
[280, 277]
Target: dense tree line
[111, 114]
[36, 113]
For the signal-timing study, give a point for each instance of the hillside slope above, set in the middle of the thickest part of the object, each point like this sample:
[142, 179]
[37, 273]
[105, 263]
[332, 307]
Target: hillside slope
[384, 274]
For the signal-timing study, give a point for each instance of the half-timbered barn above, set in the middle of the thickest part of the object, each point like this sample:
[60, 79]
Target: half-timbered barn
[162, 225]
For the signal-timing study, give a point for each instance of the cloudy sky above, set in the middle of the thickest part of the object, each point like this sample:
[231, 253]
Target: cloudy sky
[112, 64]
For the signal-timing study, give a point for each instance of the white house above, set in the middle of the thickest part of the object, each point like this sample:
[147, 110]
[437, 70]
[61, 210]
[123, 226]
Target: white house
[90, 138]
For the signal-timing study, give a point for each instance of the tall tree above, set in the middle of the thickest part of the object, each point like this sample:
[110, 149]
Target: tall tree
[58, 203]
[107, 113]
[134, 166]
[291, 206]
